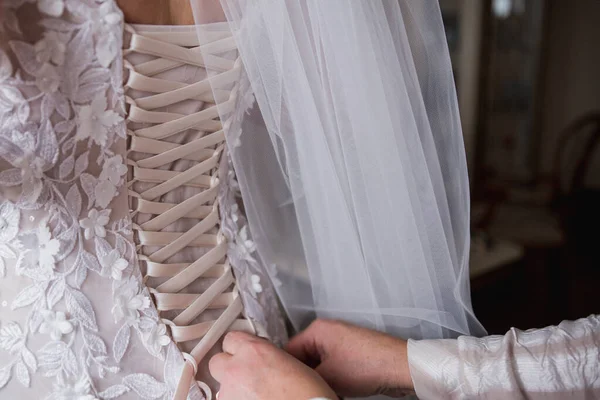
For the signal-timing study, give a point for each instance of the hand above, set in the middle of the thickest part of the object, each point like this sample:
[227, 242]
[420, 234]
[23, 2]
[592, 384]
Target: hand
[253, 369]
[354, 361]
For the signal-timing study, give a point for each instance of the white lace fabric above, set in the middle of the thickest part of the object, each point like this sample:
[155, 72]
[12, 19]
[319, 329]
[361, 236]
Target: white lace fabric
[76, 320]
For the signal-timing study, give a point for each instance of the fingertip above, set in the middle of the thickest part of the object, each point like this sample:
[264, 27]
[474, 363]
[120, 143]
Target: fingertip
[292, 349]
[240, 336]
[235, 335]
[233, 340]
[295, 343]
[217, 365]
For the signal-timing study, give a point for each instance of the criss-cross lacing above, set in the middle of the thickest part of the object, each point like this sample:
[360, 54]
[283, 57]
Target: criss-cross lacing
[152, 153]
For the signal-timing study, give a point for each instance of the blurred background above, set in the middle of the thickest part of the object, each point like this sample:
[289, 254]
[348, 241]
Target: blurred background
[528, 79]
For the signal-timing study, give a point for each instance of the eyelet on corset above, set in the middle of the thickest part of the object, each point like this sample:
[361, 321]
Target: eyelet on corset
[205, 390]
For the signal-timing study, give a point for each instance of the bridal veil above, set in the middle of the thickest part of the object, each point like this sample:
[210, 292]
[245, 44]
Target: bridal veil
[350, 159]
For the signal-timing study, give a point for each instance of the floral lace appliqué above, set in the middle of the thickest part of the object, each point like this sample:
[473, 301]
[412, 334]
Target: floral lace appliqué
[61, 119]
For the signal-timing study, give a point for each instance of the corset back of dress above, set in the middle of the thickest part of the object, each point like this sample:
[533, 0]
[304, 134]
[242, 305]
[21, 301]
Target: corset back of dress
[187, 221]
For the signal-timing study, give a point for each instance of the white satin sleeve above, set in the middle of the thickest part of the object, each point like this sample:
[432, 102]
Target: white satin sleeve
[556, 362]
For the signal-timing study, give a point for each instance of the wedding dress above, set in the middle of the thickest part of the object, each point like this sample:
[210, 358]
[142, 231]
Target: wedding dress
[95, 325]
[126, 251]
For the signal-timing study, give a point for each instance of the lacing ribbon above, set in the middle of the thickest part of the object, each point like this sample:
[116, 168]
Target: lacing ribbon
[172, 50]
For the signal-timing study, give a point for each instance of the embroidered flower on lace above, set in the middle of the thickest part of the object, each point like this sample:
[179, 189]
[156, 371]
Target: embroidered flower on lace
[105, 191]
[244, 246]
[113, 169]
[31, 169]
[51, 48]
[73, 390]
[235, 211]
[54, 8]
[129, 301]
[157, 338]
[55, 324]
[105, 20]
[106, 50]
[32, 153]
[113, 264]
[47, 78]
[94, 121]
[273, 273]
[95, 223]
[256, 286]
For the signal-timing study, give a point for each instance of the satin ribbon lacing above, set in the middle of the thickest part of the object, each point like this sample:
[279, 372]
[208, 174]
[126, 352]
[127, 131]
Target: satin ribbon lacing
[154, 151]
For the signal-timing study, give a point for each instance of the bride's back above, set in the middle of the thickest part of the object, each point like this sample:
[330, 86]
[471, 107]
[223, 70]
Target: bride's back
[168, 12]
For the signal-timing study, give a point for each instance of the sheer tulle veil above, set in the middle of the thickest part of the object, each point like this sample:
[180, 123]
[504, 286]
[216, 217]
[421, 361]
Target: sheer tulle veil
[350, 159]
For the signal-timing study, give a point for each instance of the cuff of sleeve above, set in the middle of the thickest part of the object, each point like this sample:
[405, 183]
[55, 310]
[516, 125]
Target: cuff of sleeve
[434, 368]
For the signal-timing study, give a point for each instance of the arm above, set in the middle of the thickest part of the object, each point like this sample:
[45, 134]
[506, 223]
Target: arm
[551, 363]
[354, 361]
[556, 362]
